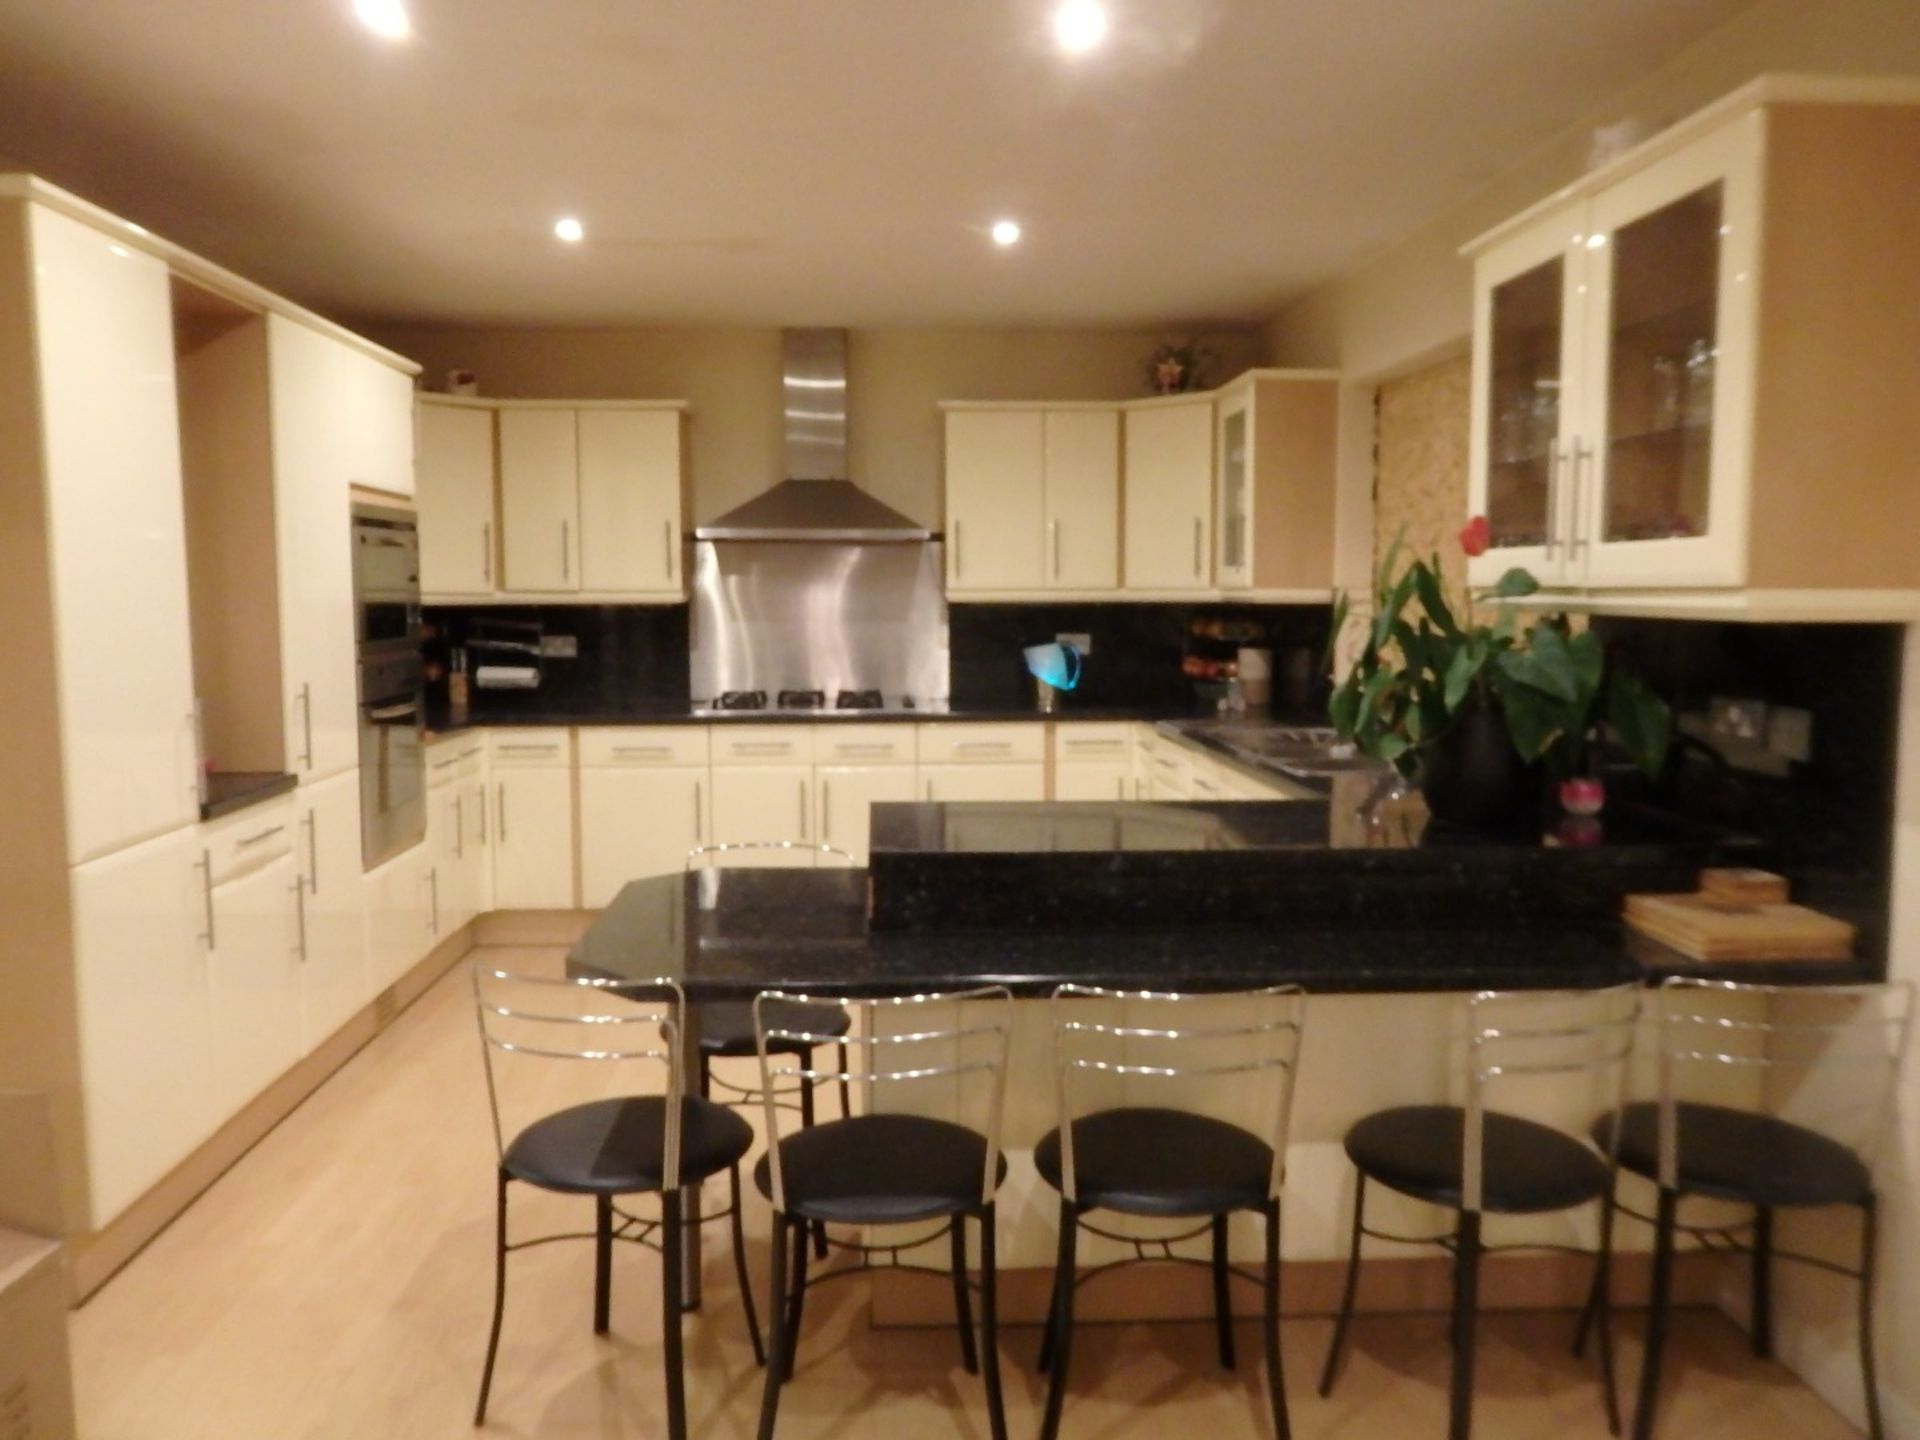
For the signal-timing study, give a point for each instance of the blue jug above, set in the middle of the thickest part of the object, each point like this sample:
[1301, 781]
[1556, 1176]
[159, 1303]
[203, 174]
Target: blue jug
[1055, 665]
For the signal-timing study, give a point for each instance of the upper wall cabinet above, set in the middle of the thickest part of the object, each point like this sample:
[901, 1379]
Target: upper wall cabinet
[1695, 371]
[1277, 443]
[455, 479]
[1033, 499]
[1169, 495]
[591, 500]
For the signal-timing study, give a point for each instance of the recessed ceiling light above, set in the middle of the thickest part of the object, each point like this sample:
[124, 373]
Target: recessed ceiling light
[569, 229]
[1080, 25]
[386, 18]
[1005, 232]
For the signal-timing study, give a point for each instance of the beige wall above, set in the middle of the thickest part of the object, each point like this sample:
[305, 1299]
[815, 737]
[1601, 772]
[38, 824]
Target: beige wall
[1413, 305]
[732, 377]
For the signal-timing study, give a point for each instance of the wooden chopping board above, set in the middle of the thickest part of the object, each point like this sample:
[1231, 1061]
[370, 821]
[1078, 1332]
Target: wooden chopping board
[1708, 928]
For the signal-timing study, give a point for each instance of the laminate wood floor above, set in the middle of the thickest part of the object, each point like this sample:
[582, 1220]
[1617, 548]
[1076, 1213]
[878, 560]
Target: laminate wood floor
[335, 1285]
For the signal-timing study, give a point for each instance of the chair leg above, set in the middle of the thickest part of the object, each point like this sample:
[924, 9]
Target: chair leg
[846, 1089]
[990, 1322]
[602, 1262]
[806, 1123]
[740, 1267]
[1869, 1248]
[706, 1076]
[798, 1297]
[1222, 1299]
[1345, 1318]
[1649, 1398]
[1062, 1320]
[962, 1298]
[672, 1258]
[1590, 1307]
[777, 1342]
[499, 1302]
[1270, 1317]
[1762, 1307]
[1045, 1360]
[1601, 1314]
[1466, 1307]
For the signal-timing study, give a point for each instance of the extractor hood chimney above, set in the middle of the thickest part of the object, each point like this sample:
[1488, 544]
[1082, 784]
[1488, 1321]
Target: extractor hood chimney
[815, 501]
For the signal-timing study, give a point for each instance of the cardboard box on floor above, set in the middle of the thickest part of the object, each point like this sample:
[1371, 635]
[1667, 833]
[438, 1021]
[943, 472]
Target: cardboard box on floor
[36, 1378]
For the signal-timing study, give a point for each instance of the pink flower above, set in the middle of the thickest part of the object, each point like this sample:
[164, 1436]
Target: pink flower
[1476, 536]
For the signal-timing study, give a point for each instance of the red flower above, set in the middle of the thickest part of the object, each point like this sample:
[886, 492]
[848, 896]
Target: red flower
[1476, 536]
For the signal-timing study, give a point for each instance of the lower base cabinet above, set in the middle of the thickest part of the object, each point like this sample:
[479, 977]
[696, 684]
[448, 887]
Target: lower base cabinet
[399, 916]
[326, 851]
[253, 983]
[532, 838]
[983, 782]
[635, 823]
[1111, 780]
[845, 797]
[762, 803]
[139, 916]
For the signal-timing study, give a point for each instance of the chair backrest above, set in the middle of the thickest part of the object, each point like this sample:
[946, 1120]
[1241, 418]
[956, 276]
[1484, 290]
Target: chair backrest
[763, 850]
[1826, 1056]
[909, 1048]
[1115, 1047]
[618, 1027]
[1519, 1039]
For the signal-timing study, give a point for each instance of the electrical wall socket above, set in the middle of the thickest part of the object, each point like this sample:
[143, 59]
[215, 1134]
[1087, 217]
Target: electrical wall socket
[560, 647]
[1081, 642]
[1790, 733]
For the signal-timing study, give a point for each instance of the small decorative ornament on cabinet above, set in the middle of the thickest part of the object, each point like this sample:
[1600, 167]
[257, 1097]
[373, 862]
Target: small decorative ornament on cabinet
[1179, 369]
[1474, 709]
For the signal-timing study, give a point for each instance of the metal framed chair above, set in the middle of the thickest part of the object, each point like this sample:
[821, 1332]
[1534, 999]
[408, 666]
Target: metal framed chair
[1477, 1160]
[896, 1163]
[1112, 1050]
[1818, 1066]
[613, 1143]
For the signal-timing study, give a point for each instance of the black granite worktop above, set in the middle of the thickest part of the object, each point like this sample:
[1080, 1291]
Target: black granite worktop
[729, 934]
[229, 791]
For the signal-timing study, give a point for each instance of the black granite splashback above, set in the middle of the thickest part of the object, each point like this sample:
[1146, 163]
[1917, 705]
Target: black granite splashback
[1136, 652]
[632, 658]
[1829, 823]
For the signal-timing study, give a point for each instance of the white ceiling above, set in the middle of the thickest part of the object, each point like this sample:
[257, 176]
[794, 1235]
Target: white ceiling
[804, 161]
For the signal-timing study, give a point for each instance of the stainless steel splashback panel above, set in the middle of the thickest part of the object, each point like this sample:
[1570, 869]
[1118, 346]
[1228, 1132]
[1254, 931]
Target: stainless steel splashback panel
[786, 615]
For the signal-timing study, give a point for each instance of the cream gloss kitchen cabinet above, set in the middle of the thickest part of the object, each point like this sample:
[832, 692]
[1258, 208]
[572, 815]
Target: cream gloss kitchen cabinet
[763, 790]
[987, 761]
[1277, 440]
[643, 804]
[592, 498]
[317, 391]
[1038, 490]
[333, 955]
[532, 776]
[253, 954]
[400, 919]
[1169, 495]
[457, 831]
[855, 767]
[455, 494]
[1693, 371]
[1093, 760]
[140, 917]
[95, 525]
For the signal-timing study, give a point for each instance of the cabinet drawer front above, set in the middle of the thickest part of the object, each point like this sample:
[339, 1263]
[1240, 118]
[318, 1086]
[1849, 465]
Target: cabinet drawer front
[455, 759]
[642, 745]
[992, 744]
[236, 845]
[530, 749]
[1090, 743]
[863, 745]
[763, 745]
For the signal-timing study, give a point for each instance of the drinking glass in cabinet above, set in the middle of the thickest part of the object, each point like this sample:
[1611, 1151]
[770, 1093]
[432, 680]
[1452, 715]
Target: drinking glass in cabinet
[1523, 403]
[1662, 337]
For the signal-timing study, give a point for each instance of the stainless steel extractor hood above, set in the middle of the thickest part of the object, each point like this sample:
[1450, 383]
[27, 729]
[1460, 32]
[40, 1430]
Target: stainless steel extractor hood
[815, 501]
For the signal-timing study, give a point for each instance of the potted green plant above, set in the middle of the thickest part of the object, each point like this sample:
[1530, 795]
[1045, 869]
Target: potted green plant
[1474, 708]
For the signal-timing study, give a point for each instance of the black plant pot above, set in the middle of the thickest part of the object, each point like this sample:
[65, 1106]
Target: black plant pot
[1473, 778]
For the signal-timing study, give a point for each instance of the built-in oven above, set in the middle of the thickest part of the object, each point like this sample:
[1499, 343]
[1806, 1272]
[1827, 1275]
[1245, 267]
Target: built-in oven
[393, 768]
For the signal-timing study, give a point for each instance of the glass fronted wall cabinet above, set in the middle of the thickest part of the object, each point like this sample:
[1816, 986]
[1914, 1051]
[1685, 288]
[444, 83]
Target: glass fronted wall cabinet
[1687, 369]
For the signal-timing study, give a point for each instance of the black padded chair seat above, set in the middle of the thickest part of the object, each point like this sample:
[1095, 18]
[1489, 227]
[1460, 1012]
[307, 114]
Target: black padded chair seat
[1146, 1161]
[616, 1147]
[1529, 1167]
[880, 1170]
[1738, 1155]
[726, 1026]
